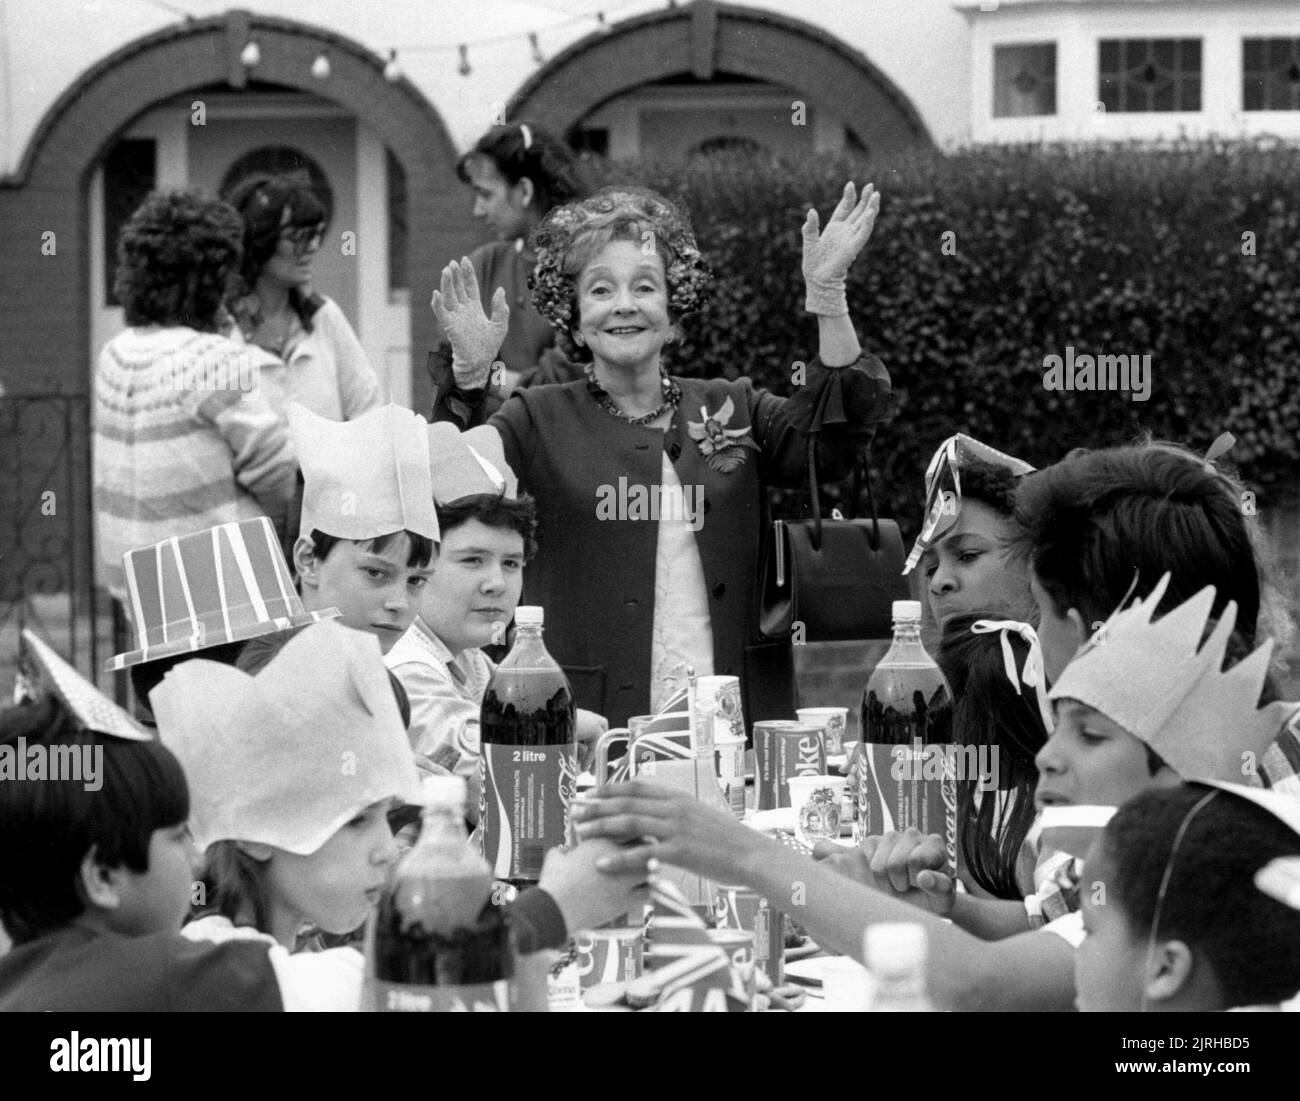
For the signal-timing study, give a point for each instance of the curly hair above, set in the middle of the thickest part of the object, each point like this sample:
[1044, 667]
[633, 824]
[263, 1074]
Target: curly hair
[261, 201]
[1250, 941]
[572, 235]
[493, 511]
[995, 486]
[176, 258]
[523, 151]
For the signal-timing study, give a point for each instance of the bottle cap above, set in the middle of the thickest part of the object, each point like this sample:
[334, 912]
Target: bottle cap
[893, 948]
[907, 609]
[529, 615]
[442, 791]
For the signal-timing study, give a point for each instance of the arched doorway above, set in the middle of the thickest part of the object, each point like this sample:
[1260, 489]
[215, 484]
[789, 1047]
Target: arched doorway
[49, 309]
[713, 72]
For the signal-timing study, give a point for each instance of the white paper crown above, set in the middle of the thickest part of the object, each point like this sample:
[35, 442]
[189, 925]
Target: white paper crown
[287, 757]
[1156, 680]
[367, 477]
[462, 464]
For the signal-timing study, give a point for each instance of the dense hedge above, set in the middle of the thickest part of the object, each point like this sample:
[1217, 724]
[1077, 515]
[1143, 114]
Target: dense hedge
[1111, 250]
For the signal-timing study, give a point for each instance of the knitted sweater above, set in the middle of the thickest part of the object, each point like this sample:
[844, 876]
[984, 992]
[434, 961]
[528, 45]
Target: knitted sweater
[183, 440]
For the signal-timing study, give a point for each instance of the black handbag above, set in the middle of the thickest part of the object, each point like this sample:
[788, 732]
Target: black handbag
[835, 579]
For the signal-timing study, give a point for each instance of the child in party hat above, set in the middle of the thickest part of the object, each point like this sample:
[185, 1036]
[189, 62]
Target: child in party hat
[1144, 704]
[96, 862]
[1174, 919]
[369, 526]
[487, 531]
[293, 773]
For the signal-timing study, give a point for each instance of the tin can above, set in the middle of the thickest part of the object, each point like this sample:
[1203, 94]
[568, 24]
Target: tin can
[783, 749]
[737, 908]
[609, 955]
[769, 942]
[731, 772]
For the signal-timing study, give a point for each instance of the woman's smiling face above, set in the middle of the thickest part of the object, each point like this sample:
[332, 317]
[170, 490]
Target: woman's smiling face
[971, 568]
[623, 307]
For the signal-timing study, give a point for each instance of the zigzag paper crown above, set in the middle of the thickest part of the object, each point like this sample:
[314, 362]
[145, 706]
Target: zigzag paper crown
[1151, 678]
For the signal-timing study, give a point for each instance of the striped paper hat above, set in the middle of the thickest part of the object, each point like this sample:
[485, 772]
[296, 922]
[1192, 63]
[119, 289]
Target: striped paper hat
[226, 584]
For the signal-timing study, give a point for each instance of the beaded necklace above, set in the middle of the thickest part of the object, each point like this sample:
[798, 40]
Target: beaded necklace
[672, 398]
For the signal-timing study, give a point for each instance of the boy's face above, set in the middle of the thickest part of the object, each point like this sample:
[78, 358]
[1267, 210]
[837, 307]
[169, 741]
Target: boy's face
[1088, 760]
[156, 900]
[1060, 635]
[335, 887]
[1111, 964]
[478, 576]
[376, 593]
[971, 568]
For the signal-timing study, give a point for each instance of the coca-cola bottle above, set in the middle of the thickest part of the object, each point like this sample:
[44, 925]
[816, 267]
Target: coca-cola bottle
[434, 944]
[528, 769]
[905, 766]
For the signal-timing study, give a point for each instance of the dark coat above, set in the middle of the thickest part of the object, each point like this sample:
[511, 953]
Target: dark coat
[596, 576]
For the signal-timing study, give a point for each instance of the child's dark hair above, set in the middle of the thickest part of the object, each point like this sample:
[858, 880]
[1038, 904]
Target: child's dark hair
[995, 486]
[48, 826]
[987, 711]
[234, 886]
[535, 155]
[176, 259]
[261, 200]
[417, 558]
[496, 512]
[1250, 941]
[1098, 520]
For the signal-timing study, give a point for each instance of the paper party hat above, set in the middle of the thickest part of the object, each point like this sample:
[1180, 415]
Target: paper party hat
[943, 486]
[1156, 680]
[288, 756]
[43, 669]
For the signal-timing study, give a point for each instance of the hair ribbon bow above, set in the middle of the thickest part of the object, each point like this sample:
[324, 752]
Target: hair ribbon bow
[1034, 674]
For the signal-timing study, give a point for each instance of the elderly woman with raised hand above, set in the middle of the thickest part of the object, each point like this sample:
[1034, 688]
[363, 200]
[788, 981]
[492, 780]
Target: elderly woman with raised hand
[652, 491]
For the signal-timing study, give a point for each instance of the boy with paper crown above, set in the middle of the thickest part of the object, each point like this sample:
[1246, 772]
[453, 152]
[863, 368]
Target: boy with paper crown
[1174, 711]
[487, 536]
[293, 773]
[96, 869]
[369, 526]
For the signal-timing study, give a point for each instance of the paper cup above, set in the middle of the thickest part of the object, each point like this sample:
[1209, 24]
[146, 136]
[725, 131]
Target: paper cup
[817, 803]
[832, 720]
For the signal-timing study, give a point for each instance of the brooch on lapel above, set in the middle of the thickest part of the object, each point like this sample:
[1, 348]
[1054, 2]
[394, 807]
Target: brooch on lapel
[723, 448]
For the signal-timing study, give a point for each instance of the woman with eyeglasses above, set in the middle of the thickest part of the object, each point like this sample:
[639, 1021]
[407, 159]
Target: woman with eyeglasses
[519, 174]
[319, 362]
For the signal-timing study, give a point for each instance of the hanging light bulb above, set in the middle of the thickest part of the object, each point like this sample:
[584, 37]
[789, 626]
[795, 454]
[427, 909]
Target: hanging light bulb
[465, 70]
[250, 56]
[538, 58]
[320, 68]
[392, 70]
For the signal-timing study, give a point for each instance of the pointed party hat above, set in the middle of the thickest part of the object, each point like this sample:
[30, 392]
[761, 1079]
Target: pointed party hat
[462, 464]
[943, 486]
[1156, 680]
[43, 669]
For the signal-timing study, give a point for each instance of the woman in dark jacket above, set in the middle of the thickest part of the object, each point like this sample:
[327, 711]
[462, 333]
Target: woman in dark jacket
[652, 491]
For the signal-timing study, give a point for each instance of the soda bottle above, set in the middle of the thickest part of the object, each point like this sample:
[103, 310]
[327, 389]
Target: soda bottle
[528, 769]
[904, 768]
[895, 953]
[433, 944]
